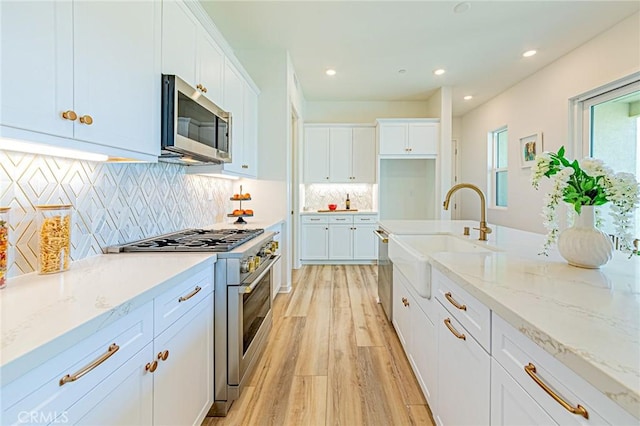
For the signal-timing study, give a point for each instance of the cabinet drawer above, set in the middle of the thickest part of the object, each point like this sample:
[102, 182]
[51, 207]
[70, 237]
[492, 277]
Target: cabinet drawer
[170, 306]
[341, 218]
[315, 219]
[365, 219]
[475, 316]
[514, 351]
[40, 391]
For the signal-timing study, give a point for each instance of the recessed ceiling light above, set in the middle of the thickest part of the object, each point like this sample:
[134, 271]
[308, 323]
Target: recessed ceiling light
[439, 71]
[402, 71]
[330, 71]
[468, 98]
[462, 7]
[529, 53]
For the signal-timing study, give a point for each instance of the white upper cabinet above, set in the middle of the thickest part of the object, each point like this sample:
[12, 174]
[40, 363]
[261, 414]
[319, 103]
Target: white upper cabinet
[409, 137]
[339, 154]
[250, 143]
[78, 72]
[189, 52]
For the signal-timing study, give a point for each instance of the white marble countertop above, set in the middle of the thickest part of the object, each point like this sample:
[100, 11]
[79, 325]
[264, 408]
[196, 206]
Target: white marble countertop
[588, 319]
[42, 315]
[251, 224]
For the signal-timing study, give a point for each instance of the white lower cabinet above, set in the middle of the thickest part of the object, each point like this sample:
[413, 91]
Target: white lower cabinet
[512, 405]
[340, 241]
[314, 241]
[338, 238]
[183, 379]
[464, 370]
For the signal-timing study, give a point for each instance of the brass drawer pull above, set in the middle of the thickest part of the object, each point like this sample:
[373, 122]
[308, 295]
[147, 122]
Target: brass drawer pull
[190, 295]
[454, 303]
[405, 302]
[86, 119]
[151, 366]
[447, 322]
[579, 409]
[113, 348]
[69, 115]
[163, 355]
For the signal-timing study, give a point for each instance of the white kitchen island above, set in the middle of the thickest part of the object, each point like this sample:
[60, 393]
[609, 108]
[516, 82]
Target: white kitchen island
[588, 320]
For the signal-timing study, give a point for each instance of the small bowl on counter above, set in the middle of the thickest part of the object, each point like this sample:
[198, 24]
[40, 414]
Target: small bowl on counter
[333, 206]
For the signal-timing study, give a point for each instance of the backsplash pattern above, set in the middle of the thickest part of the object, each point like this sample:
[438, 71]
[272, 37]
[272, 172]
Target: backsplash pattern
[318, 196]
[113, 203]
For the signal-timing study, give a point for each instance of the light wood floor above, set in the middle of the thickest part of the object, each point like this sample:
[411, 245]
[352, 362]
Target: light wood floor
[332, 359]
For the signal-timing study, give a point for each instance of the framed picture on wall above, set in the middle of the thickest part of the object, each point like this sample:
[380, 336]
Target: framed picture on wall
[530, 146]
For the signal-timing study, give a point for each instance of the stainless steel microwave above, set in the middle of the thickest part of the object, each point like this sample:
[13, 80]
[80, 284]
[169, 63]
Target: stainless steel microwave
[194, 129]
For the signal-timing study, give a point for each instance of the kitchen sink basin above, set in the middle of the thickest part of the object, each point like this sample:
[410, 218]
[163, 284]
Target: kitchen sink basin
[410, 254]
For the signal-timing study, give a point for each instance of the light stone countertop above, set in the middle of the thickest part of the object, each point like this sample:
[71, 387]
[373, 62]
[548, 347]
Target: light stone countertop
[43, 315]
[315, 212]
[588, 319]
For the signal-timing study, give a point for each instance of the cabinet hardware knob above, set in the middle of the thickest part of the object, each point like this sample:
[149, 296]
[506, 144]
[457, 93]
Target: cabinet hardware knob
[455, 332]
[69, 115]
[86, 119]
[200, 87]
[578, 409]
[405, 302]
[151, 366]
[204, 89]
[190, 295]
[327, 177]
[454, 303]
[244, 166]
[113, 348]
[163, 355]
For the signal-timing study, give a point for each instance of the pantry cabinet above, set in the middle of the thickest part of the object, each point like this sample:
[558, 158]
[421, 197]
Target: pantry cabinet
[415, 137]
[70, 80]
[338, 238]
[339, 154]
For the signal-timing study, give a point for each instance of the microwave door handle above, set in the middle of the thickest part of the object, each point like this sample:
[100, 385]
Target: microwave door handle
[244, 289]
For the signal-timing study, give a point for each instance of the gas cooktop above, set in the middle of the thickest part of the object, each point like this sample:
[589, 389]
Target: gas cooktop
[214, 240]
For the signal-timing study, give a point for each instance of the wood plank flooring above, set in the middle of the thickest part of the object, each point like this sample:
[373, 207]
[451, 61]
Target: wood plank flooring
[332, 359]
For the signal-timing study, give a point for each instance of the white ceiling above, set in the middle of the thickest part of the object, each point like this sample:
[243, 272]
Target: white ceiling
[367, 42]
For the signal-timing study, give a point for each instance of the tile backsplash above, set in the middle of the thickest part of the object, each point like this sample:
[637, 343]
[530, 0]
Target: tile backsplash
[113, 203]
[318, 196]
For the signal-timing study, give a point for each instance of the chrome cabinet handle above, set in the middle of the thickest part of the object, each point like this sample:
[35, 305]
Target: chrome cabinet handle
[190, 295]
[455, 332]
[113, 348]
[579, 409]
[454, 303]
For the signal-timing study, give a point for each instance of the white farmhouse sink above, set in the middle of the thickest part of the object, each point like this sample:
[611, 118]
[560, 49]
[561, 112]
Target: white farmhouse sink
[410, 253]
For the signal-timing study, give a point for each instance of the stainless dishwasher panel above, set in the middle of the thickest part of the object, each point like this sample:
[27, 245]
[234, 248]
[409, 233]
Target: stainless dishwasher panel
[385, 272]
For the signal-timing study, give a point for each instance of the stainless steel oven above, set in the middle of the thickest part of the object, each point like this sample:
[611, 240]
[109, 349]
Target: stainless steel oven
[385, 272]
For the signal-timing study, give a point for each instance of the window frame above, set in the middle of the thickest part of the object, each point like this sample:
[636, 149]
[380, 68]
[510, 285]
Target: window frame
[492, 159]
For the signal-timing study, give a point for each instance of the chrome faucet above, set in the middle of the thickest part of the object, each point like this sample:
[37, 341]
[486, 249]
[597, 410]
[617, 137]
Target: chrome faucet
[484, 229]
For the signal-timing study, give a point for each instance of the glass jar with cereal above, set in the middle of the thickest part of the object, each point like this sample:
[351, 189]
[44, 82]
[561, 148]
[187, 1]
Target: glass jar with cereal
[54, 238]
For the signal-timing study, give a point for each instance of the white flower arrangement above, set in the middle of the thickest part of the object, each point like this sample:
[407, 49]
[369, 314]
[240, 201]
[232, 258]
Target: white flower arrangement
[586, 183]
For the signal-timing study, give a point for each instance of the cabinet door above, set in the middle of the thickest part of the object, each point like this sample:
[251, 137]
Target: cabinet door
[401, 310]
[37, 66]
[340, 155]
[363, 155]
[316, 155]
[424, 353]
[250, 149]
[179, 41]
[393, 138]
[341, 241]
[234, 103]
[313, 242]
[116, 50]
[365, 242]
[510, 404]
[423, 138]
[210, 62]
[463, 375]
[183, 382]
[123, 398]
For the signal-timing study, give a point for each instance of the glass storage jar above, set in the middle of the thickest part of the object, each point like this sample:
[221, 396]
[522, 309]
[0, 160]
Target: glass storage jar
[54, 238]
[4, 245]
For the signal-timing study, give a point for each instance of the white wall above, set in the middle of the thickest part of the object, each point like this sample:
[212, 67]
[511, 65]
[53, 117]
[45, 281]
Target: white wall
[541, 103]
[362, 112]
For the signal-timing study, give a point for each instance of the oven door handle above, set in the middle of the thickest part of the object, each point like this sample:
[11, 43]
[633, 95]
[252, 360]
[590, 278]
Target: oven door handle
[382, 235]
[244, 289]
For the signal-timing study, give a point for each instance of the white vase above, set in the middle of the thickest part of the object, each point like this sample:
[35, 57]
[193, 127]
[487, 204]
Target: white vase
[583, 244]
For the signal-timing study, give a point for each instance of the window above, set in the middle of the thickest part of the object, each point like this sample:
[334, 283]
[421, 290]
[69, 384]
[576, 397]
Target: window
[610, 131]
[498, 166]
